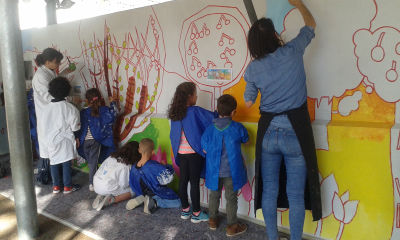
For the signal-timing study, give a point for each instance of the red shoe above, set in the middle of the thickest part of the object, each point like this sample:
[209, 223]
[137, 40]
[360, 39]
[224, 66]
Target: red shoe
[71, 189]
[56, 189]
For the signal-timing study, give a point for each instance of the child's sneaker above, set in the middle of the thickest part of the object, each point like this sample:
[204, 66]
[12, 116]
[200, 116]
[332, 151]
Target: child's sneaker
[91, 188]
[96, 201]
[202, 217]
[71, 189]
[108, 200]
[236, 229]
[186, 214]
[56, 189]
[134, 203]
[150, 205]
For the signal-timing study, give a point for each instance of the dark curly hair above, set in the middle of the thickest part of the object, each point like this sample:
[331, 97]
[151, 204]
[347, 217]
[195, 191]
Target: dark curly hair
[178, 107]
[93, 96]
[59, 88]
[263, 39]
[49, 54]
[226, 104]
[128, 154]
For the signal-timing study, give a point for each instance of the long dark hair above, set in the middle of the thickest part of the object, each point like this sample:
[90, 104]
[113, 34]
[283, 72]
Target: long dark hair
[128, 154]
[93, 96]
[178, 107]
[263, 39]
[49, 54]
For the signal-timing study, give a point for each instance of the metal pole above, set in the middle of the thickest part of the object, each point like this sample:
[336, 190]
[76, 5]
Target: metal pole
[51, 12]
[250, 10]
[17, 120]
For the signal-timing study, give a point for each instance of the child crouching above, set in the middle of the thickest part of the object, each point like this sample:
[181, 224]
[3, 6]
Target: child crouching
[111, 181]
[148, 180]
[224, 164]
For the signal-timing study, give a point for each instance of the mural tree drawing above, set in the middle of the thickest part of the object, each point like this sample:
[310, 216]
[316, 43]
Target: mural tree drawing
[129, 70]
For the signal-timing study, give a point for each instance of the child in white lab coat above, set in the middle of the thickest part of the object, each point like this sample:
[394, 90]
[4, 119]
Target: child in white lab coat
[111, 181]
[62, 124]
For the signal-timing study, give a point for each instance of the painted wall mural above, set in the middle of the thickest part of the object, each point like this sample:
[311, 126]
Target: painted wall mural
[352, 68]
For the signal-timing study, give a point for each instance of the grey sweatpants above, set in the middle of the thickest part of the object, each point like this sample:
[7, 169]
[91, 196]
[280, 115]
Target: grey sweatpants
[231, 200]
[91, 148]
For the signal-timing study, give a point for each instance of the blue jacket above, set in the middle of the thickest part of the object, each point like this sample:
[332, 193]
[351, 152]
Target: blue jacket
[155, 176]
[101, 128]
[32, 120]
[233, 135]
[196, 121]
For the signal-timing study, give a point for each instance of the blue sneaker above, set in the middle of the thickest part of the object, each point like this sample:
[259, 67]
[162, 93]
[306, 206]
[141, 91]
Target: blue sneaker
[186, 214]
[203, 217]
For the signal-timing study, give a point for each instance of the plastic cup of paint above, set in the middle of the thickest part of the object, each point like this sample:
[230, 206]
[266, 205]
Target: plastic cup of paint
[72, 66]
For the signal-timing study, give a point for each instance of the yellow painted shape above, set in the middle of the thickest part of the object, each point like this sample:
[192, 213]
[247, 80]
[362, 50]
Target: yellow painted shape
[249, 149]
[371, 108]
[243, 113]
[362, 167]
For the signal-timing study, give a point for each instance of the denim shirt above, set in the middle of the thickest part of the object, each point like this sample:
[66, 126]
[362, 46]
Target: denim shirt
[280, 76]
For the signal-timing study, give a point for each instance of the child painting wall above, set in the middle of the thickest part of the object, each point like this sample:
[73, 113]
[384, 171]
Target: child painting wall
[352, 67]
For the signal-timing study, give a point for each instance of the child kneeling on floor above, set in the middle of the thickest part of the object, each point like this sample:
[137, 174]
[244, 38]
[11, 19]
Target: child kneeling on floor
[148, 180]
[111, 181]
[221, 142]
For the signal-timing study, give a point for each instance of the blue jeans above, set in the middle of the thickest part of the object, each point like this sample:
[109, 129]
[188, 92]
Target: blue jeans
[167, 203]
[279, 142]
[66, 174]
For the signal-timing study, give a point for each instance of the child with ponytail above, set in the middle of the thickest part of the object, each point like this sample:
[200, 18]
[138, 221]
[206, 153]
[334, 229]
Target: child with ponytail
[188, 123]
[96, 138]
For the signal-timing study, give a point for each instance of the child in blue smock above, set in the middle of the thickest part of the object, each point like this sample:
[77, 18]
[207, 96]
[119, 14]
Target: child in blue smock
[188, 123]
[148, 180]
[224, 164]
[96, 137]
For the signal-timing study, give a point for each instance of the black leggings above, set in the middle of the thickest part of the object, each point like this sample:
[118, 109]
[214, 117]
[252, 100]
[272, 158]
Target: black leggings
[190, 166]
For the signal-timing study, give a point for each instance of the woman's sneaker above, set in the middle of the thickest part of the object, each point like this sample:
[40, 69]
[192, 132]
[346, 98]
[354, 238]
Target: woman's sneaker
[202, 217]
[186, 214]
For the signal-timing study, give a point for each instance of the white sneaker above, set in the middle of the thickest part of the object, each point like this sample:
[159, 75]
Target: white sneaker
[133, 203]
[91, 188]
[108, 200]
[150, 205]
[96, 201]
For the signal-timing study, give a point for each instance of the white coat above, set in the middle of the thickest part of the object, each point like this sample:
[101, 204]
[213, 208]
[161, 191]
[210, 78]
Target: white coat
[41, 96]
[61, 120]
[112, 178]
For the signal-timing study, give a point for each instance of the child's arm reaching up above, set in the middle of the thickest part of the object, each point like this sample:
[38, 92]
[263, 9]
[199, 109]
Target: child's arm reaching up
[244, 135]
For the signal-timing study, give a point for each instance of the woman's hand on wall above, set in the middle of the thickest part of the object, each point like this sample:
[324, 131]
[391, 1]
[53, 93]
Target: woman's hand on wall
[296, 3]
[305, 13]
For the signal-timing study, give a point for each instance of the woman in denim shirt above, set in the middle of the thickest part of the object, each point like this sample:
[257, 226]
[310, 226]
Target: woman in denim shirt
[277, 72]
